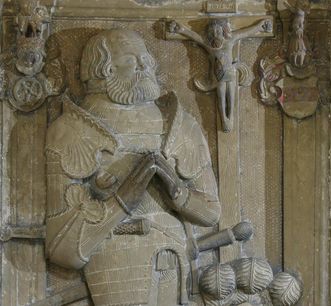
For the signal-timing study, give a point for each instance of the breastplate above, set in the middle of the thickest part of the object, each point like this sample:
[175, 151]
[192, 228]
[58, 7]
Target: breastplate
[140, 129]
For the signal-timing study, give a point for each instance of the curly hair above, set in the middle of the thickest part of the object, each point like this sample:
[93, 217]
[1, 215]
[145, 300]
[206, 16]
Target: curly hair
[96, 58]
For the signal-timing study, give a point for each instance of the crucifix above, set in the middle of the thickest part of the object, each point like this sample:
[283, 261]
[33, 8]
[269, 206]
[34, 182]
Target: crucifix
[219, 45]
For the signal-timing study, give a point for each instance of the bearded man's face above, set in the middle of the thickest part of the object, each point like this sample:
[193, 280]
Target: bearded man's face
[133, 77]
[217, 33]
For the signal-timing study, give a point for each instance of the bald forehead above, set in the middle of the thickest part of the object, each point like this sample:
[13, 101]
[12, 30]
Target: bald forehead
[125, 40]
[122, 34]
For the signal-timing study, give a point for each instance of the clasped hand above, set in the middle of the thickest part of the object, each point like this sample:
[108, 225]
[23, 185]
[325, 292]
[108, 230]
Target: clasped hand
[132, 190]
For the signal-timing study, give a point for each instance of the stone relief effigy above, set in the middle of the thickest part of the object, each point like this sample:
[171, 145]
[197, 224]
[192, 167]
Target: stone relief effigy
[129, 185]
[132, 198]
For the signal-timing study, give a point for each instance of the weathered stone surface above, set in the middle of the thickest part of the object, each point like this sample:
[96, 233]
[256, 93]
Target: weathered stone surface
[111, 154]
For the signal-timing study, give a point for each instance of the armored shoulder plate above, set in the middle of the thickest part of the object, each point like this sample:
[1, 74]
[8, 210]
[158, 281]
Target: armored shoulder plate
[78, 138]
[186, 143]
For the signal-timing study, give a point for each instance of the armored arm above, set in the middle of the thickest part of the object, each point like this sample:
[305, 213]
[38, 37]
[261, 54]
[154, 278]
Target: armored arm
[196, 199]
[76, 223]
[199, 203]
[191, 186]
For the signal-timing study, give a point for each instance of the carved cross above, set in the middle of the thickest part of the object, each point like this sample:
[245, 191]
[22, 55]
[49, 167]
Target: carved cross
[221, 43]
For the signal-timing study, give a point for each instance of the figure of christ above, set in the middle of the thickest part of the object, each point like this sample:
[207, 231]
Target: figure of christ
[219, 46]
[129, 180]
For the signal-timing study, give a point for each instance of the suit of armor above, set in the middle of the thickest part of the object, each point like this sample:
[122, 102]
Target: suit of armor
[121, 266]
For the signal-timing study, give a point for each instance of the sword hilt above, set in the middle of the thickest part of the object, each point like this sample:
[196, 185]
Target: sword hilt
[243, 231]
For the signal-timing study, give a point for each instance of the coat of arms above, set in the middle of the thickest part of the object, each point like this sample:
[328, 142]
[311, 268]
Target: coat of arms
[290, 80]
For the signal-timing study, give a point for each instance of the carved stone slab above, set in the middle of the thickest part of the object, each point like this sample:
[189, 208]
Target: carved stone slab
[92, 151]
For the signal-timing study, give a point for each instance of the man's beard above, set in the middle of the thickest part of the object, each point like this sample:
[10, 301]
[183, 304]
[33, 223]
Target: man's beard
[143, 87]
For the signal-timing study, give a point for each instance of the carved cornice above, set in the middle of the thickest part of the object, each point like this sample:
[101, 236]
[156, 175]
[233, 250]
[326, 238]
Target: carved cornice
[150, 9]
